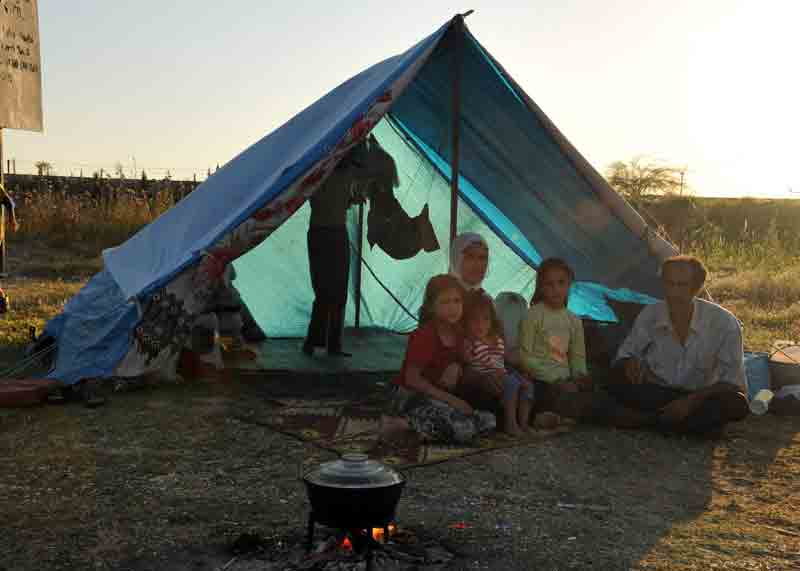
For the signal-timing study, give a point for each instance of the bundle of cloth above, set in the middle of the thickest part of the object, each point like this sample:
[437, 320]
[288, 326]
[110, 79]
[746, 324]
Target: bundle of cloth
[389, 226]
[228, 316]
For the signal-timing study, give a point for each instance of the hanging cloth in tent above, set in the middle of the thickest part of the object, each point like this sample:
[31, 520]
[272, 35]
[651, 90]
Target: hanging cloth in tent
[389, 226]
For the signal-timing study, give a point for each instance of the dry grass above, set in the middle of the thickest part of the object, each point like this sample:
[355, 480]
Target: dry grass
[766, 301]
[143, 481]
[33, 302]
[158, 479]
[762, 288]
[95, 218]
[42, 280]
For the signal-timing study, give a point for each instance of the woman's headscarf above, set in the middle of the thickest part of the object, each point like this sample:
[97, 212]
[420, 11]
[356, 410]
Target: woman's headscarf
[457, 248]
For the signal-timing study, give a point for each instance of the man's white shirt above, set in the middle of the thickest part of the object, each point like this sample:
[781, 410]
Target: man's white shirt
[712, 353]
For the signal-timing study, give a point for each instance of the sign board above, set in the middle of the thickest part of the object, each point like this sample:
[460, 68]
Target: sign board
[20, 66]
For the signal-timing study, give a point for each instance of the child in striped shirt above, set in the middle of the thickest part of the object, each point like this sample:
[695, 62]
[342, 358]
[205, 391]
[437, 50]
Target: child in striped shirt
[484, 352]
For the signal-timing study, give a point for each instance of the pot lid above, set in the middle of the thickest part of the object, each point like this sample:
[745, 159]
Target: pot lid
[354, 471]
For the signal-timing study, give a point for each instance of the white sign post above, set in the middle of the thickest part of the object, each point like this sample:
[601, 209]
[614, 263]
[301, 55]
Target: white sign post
[20, 66]
[20, 81]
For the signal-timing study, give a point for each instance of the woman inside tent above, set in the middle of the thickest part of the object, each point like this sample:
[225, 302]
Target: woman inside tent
[329, 244]
[469, 260]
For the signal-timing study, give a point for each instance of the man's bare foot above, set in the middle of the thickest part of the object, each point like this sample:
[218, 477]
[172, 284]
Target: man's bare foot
[393, 427]
[546, 420]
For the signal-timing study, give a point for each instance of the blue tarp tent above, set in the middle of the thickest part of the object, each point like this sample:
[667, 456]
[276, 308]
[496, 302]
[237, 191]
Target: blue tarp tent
[521, 185]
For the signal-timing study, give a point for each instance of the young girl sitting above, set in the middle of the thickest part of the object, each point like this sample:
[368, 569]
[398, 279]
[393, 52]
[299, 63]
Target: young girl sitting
[551, 339]
[431, 371]
[484, 352]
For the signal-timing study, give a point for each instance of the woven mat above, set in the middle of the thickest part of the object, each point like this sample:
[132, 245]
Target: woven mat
[344, 425]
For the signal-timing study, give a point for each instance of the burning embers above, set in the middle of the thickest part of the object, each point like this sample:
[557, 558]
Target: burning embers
[378, 534]
[376, 548]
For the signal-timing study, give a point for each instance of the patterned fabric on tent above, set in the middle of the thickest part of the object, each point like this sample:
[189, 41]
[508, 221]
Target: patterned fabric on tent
[521, 185]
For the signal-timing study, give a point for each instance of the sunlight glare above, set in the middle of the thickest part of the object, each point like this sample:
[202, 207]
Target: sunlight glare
[744, 99]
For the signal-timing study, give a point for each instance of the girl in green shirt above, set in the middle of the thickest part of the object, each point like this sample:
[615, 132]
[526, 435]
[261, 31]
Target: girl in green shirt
[551, 344]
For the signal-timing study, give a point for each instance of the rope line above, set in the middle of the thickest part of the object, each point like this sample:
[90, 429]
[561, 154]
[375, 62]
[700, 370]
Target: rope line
[27, 361]
[380, 283]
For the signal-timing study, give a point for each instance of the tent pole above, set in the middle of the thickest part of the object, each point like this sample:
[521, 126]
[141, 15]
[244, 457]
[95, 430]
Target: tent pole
[458, 56]
[358, 265]
[3, 244]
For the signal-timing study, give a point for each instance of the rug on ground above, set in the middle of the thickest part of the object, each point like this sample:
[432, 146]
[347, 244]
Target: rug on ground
[344, 425]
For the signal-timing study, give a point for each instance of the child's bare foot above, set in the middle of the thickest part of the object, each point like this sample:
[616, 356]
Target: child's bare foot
[512, 429]
[546, 420]
[393, 427]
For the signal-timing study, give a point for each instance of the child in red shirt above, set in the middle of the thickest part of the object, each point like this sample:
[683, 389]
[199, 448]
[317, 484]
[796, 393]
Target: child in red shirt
[431, 370]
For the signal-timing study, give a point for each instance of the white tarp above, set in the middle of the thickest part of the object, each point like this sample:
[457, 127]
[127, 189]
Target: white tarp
[20, 66]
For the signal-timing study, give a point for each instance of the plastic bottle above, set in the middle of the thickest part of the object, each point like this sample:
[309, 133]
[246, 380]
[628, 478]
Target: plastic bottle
[759, 404]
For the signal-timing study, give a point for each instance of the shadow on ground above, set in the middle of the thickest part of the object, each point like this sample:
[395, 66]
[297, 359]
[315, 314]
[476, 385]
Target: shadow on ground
[166, 478]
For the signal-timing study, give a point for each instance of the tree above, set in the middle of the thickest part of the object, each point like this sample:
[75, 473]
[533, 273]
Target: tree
[642, 176]
[43, 168]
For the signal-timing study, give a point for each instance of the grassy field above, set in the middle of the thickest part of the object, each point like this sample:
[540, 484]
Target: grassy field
[166, 478]
[752, 249]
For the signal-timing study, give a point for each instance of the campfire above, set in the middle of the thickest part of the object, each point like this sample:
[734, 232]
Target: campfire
[378, 534]
[373, 549]
[383, 534]
[351, 525]
[376, 549]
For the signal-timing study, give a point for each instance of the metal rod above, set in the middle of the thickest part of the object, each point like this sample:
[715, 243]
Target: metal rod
[457, 37]
[3, 257]
[358, 265]
[310, 533]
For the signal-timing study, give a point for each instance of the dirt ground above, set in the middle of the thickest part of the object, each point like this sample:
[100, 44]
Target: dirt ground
[168, 477]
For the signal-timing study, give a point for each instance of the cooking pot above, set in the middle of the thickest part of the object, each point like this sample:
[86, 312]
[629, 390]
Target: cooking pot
[353, 492]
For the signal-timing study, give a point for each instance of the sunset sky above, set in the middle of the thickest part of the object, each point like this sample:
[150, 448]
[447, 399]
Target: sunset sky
[184, 85]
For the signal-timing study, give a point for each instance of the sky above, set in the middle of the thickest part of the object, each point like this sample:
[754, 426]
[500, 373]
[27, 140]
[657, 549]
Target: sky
[711, 86]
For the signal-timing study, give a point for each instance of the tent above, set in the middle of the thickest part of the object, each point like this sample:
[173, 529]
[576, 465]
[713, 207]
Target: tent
[517, 181]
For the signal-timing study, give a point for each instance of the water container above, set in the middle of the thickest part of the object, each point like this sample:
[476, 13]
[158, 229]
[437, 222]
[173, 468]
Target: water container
[759, 404]
[756, 366]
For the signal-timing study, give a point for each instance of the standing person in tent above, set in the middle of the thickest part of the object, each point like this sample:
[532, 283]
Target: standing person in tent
[329, 244]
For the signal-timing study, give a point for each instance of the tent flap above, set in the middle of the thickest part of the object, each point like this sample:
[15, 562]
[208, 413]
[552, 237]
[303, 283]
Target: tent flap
[522, 185]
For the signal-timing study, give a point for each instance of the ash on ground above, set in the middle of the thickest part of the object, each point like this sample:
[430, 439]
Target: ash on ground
[334, 550]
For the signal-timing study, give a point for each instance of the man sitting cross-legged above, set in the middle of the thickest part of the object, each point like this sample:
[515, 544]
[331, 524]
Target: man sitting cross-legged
[683, 360]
